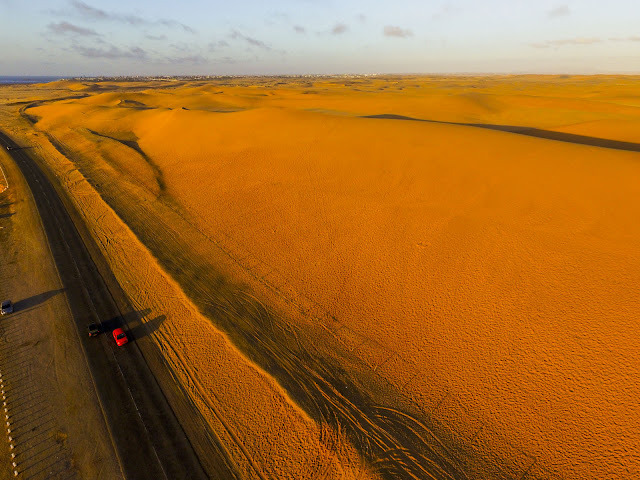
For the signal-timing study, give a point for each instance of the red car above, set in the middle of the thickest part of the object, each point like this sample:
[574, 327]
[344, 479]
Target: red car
[120, 337]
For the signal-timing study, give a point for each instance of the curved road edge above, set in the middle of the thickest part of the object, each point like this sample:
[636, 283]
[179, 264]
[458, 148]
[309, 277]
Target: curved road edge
[150, 440]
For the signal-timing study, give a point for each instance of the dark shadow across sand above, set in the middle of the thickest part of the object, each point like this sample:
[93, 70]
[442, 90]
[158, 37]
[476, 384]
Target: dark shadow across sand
[529, 131]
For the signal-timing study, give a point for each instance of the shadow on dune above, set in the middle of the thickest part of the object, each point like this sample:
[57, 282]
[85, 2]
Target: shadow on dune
[142, 329]
[529, 131]
[70, 97]
[134, 145]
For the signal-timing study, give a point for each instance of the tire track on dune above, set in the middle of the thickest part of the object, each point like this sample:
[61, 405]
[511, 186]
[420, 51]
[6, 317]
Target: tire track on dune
[397, 447]
[99, 178]
[67, 152]
[381, 432]
[318, 392]
[219, 468]
[221, 418]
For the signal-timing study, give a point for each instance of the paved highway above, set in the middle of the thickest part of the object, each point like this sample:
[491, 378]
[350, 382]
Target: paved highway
[149, 441]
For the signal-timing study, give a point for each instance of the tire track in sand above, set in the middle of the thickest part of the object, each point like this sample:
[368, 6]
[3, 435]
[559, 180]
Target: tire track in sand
[397, 447]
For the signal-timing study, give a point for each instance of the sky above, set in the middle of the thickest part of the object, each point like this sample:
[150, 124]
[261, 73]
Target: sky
[247, 37]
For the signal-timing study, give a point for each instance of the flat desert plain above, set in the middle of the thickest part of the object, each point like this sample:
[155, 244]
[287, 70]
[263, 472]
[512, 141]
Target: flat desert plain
[419, 277]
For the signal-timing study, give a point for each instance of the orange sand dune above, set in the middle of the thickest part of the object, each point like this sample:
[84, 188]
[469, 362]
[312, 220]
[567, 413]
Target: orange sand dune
[478, 269]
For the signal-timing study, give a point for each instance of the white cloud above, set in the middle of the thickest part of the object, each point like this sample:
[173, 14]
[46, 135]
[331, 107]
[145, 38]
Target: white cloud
[339, 29]
[561, 11]
[392, 31]
[567, 41]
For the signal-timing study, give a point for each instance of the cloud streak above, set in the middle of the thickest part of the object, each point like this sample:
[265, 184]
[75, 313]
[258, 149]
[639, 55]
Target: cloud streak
[174, 24]
[62, 28]
[213, 46]
[112, 53]
[561, 11]
[254, 42]
[392, 31]
[567, 41]
[339, 29]
[155, 37]
[633, 38]
[583, 41]
[98, 14]
[188, 59]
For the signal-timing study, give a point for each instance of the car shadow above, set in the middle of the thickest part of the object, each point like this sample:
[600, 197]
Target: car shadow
[134, 323]
[145, 328]
[124, 321]
[35, 300]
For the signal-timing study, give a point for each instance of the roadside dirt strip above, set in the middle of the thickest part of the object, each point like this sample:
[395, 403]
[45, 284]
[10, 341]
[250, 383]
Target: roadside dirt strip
[37, 447]
[5, 183]
[148, 438]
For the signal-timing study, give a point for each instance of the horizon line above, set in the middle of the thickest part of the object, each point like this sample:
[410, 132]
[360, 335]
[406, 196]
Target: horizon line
[335, 74]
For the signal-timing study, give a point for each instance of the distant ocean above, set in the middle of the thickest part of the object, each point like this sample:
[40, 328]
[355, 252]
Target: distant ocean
[28, 79]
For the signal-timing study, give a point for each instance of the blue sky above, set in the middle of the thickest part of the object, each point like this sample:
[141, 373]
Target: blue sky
[95, 37]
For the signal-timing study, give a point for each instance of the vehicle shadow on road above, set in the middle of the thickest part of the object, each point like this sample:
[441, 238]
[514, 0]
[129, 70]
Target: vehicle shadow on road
[35, 300]
[126, 321]
[135, 323]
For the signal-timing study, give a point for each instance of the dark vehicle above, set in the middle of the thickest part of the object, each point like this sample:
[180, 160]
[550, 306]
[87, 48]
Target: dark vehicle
[120, 337]
[94, 329]
[7, 307]
[8, 147]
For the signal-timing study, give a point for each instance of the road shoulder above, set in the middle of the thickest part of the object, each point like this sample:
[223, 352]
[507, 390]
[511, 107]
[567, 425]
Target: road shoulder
[40, 357]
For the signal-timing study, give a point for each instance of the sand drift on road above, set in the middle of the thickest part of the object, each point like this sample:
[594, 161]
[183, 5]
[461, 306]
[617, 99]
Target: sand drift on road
[437, 297]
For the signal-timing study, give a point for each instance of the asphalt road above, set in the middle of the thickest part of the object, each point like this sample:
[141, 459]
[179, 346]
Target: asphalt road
[149, 441]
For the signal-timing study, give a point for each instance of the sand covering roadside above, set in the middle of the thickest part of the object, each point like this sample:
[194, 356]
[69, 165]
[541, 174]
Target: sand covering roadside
[266, 435]
[467, 267]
